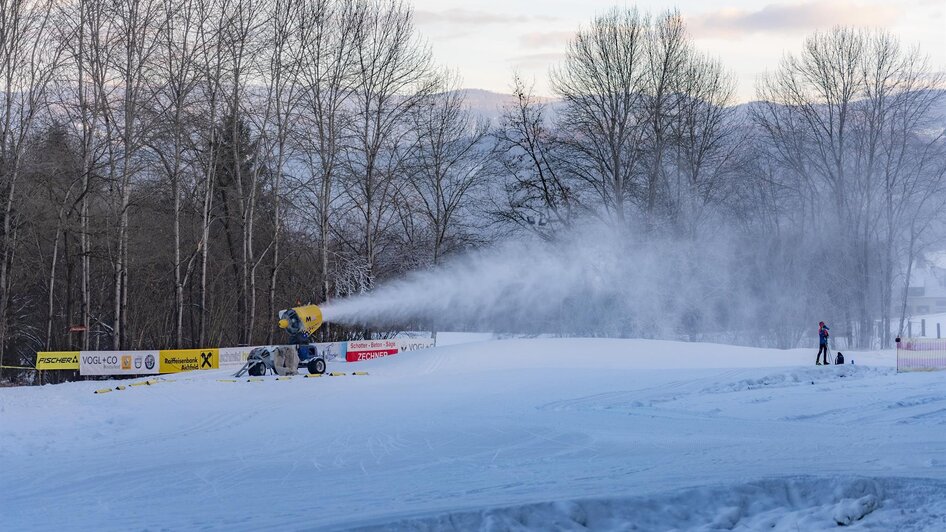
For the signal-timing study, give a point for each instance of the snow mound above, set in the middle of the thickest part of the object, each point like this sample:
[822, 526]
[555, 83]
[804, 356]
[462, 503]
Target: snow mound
[779, 504]
[850, 510]
[801, 376]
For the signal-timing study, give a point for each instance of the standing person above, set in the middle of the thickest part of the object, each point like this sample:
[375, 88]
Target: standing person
[823, 344]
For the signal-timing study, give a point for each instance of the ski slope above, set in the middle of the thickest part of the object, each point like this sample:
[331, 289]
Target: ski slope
[527, 434]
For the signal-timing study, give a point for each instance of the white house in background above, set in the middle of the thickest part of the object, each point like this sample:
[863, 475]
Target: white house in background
[927, 291]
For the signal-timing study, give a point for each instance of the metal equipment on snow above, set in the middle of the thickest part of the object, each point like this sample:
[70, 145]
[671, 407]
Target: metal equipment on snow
[300, 323]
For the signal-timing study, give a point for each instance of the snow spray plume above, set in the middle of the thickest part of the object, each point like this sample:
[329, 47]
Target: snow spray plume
[584, 282]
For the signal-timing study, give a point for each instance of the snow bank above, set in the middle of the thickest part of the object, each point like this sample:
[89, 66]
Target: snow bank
[781, 504]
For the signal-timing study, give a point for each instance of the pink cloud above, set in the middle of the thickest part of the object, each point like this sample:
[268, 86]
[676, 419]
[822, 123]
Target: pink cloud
[789, 18]
[470, 17]
[541, 39]
[537, 60]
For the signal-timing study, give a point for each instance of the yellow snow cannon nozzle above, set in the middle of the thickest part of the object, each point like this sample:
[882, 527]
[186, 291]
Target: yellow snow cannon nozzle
[307, 318]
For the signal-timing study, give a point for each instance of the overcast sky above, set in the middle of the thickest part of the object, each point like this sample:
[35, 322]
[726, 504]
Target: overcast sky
[486, 40]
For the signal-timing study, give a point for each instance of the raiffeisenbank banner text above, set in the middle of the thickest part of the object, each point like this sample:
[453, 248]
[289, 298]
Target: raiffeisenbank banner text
[178, 360]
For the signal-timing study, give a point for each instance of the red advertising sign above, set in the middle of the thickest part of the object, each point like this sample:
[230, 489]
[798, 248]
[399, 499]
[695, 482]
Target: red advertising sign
[359, 350]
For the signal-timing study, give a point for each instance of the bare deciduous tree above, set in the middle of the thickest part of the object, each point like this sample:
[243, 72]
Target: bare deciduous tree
[29, 58]
[448, 164]
[327, 31]
[530, 155]
[393, 74]
[602, 87]
[841, 118]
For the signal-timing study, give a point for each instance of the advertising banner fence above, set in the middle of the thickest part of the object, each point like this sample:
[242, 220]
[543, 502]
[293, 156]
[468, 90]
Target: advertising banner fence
[237, 356]
[57, 360]
[331, 350]
[233, 356]
[119, 362]
[153, 362]
[178, 360]
[359, 350]
[414, 344]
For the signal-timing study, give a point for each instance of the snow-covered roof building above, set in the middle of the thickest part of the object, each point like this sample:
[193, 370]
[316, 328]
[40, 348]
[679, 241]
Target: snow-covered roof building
[927, 291]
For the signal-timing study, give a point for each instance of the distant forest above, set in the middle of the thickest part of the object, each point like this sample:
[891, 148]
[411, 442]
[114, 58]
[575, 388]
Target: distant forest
[174, 172]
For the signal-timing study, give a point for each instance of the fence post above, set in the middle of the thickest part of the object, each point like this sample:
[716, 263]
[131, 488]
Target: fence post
[909, 329]
[923, 327]
[937, 331]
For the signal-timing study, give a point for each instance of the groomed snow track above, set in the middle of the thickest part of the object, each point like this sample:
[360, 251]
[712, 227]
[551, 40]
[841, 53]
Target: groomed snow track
[565, 434]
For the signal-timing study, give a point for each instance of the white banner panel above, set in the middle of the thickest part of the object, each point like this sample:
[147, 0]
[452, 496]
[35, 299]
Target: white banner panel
[332, 350]
[118, 363]
[413, 344]
[234, 356]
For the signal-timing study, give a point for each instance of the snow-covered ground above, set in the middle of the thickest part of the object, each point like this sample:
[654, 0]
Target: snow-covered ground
[544, 434]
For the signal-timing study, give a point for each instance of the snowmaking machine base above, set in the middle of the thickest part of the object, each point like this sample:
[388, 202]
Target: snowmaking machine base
[282, 360]
[300, 323]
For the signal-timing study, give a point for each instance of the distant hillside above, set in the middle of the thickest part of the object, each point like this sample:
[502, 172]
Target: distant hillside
[937, 113]
[489, 105]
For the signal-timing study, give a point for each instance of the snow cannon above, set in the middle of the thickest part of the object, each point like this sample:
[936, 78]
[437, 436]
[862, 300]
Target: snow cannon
[300, 322]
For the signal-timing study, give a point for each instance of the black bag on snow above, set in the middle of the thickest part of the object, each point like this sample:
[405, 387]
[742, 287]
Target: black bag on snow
[839, 359]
